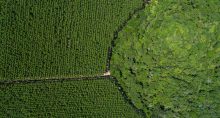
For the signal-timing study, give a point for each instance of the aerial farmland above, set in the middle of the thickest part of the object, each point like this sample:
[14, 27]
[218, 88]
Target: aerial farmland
[110, 58]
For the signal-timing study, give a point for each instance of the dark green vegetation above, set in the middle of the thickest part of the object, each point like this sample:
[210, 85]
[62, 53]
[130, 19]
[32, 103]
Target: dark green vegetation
[84, 98]
[167, 59]
[58, 38]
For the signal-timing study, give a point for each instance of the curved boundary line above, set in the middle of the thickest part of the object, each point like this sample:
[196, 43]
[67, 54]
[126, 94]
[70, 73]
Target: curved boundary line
[120, 28]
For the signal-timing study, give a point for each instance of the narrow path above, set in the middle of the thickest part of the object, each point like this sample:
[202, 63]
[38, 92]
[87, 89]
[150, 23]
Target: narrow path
[27, 81]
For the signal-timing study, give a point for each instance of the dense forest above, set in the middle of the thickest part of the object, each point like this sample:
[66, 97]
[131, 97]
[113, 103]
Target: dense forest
[167, 58]
[164, 56]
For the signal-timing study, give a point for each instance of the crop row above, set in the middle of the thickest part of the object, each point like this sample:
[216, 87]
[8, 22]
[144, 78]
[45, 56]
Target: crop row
[86, 98]
[58, 38]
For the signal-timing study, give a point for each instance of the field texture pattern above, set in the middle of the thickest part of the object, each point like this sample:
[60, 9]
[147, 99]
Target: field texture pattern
[86, 98]
[58, 38]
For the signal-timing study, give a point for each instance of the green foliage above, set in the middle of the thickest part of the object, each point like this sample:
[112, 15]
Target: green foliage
[58, 38]
[86, 98]
[168, 58]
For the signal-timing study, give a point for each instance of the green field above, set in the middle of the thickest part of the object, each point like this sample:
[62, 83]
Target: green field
[47, 39]
[80, 98]
[167, 59]
[58, 38]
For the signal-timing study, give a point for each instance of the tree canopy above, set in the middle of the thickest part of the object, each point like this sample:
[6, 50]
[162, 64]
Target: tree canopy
[167, 58]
